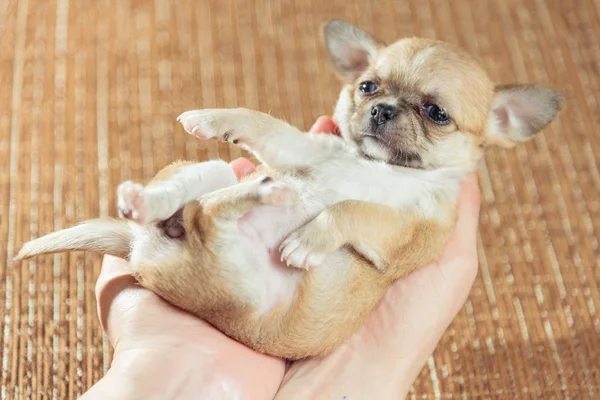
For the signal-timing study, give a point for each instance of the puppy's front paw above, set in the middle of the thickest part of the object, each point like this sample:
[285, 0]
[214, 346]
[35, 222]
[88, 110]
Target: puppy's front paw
[308, 247]
[220, 124]
[131, 202]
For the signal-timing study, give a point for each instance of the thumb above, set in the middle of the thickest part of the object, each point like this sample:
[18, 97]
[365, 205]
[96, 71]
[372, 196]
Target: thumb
[324, 124]
[116, 289]
[242, 167]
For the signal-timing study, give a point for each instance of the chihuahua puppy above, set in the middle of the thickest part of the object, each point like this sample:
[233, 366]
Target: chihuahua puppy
[291, 260]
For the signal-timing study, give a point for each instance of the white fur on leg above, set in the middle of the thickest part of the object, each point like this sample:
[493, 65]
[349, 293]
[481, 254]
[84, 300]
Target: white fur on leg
[161, 200]
[274, 142]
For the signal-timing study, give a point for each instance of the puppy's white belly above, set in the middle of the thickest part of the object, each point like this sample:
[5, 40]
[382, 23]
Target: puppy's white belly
[261, 232]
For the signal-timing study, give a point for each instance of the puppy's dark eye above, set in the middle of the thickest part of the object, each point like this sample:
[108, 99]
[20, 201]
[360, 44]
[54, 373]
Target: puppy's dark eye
[368, 87]
[436, 114]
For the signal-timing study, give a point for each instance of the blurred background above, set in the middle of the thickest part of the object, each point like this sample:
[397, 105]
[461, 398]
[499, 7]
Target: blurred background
[89, 93]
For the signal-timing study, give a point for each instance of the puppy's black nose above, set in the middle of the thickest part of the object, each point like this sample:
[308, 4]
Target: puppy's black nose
[383, 113]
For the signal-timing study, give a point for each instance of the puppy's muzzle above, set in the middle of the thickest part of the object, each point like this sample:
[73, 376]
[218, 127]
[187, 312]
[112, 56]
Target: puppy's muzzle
[382, 113]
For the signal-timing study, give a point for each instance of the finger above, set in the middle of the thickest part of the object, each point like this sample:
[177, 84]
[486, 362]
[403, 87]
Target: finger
[112, 268]
[242, 167]
[324, 124]
[115, 278]
[469, 205]
[463, 243]
[112, 265]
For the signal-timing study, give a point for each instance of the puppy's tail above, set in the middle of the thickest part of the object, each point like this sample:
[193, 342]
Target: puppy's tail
[108, 236]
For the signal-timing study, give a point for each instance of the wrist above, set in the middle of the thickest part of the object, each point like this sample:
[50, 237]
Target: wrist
[136, 374]
[188, 371]
[351, 373]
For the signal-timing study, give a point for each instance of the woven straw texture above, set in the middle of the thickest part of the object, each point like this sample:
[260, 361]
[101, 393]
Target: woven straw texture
[89, 95]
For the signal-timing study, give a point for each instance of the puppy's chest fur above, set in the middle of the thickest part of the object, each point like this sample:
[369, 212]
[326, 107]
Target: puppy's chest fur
[346, 176]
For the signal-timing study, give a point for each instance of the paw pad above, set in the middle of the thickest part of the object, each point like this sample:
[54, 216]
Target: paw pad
[131, 201]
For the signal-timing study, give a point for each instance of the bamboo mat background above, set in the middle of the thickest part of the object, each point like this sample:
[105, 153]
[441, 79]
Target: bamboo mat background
[89, 92]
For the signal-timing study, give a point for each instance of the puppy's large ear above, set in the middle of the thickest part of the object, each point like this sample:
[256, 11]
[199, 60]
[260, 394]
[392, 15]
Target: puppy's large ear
[519, 112]
[351, 49]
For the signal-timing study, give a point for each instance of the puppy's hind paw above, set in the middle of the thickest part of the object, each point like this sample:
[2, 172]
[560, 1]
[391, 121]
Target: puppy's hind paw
[308, 247]
[296, 254]
[131, 202]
